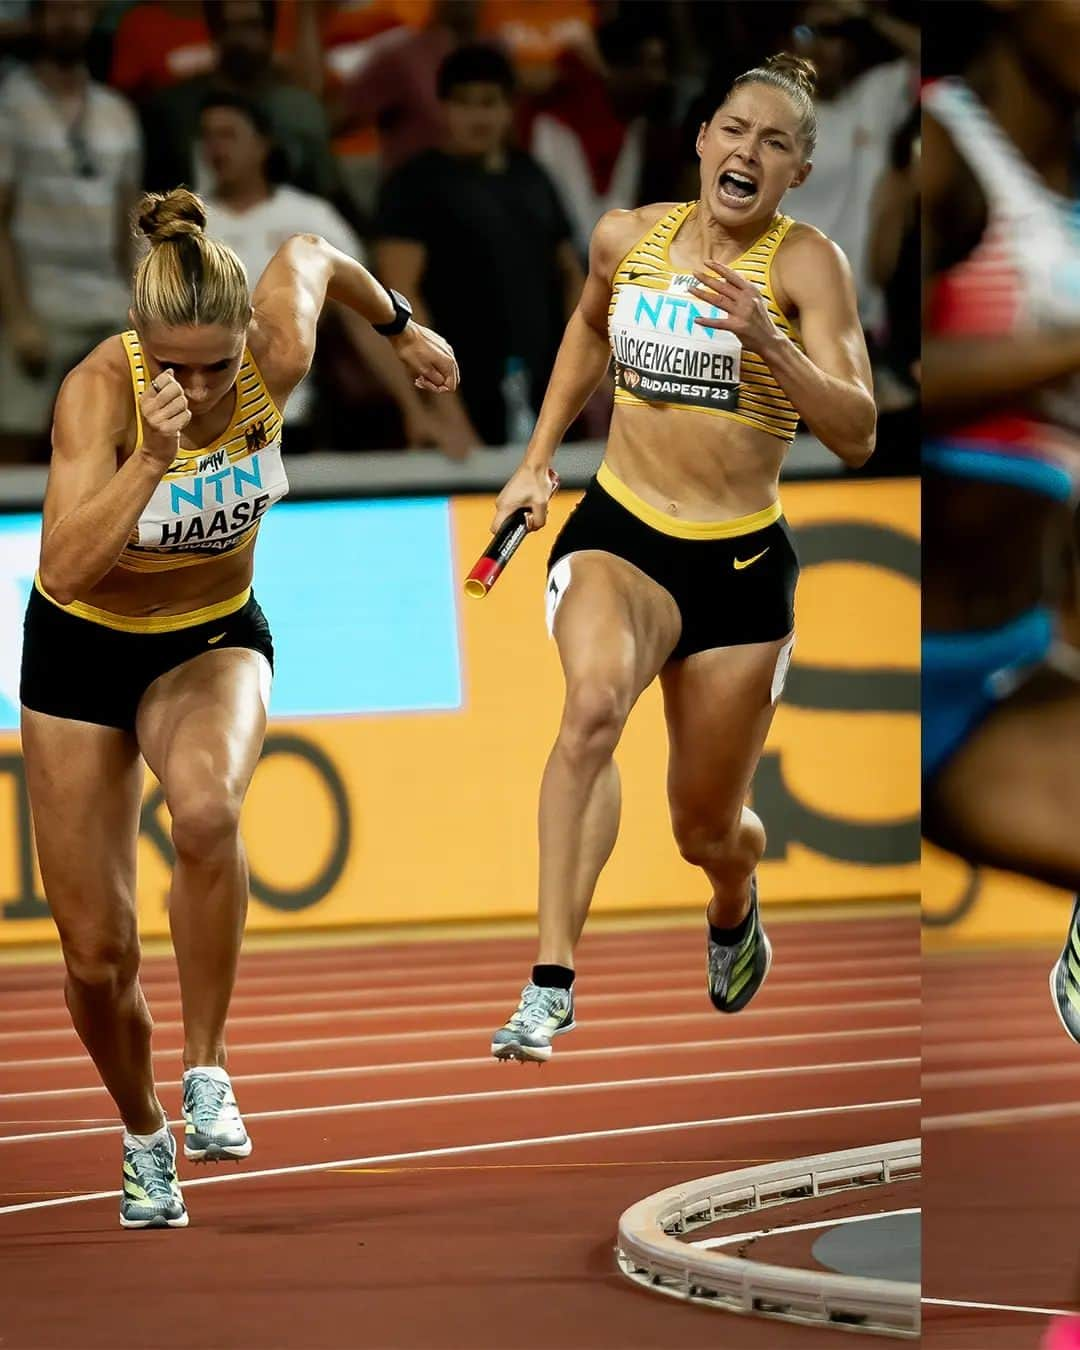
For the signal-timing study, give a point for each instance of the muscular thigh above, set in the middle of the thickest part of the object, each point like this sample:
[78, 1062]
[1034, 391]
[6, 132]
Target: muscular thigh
[611, 621]
[201, 725]
[85, 784]
[718, 705]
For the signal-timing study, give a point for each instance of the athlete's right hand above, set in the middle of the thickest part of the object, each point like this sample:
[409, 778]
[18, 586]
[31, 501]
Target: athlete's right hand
[530, 487]
[165, 413]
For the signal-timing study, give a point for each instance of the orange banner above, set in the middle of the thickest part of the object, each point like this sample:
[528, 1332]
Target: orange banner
[422, 816]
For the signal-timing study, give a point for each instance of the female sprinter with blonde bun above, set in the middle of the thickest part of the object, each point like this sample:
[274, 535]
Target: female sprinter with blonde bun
[143, 641]
[728, 323]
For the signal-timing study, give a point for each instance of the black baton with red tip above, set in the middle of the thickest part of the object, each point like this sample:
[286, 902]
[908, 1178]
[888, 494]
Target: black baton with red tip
[489, 566]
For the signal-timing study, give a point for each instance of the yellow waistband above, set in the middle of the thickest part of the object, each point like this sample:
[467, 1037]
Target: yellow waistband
[684, 529]
[157, 623]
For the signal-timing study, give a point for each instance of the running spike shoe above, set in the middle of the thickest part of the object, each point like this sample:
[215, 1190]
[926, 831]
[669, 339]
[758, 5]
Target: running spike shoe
[1065, 978]
[213, 1130]
[736, 973]
[542, 1014]
[151, 1195]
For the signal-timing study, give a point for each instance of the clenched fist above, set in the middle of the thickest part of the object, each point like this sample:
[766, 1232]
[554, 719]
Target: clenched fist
[165, 413]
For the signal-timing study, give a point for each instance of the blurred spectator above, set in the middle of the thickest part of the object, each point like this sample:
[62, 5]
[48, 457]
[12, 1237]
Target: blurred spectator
[537, 36]
[242, 33]
[475, 233]
[605, 134]
[895, 263]
[14, 21]
[70, 162]
[894, 250]
[352, 29]
[858, 112]
[157, 45]
[248, 209]
[14, 32]
[395, 91]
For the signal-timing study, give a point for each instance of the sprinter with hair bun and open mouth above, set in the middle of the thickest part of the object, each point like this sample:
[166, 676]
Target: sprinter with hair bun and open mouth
[728, 323]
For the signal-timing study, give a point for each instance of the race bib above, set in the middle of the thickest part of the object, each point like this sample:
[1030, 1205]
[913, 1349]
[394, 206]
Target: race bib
[663, 356]
[210, 510]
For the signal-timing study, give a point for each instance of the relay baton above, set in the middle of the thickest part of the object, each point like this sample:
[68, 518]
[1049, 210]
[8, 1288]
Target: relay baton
[488, 567]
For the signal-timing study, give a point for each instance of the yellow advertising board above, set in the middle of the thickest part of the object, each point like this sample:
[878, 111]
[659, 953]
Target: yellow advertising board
[425, 815]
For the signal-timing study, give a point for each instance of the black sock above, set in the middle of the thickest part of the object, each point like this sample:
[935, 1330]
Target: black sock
[553, 977]
[729, 937]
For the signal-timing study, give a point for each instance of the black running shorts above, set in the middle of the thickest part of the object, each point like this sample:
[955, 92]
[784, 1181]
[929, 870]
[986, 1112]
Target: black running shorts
[78, 669]
[729, 590]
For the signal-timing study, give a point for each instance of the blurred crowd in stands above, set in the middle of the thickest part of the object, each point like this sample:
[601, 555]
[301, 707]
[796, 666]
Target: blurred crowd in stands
[462, 149]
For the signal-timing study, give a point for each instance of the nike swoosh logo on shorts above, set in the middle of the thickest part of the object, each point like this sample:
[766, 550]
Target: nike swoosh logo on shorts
[740, 563]
[210, 641]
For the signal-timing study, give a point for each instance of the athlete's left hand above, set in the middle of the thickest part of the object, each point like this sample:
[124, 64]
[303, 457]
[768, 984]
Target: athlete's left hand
[747, 315]
[428, 357]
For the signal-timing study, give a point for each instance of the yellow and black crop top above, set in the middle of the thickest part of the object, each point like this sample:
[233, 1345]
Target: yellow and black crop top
[210, 502]
[664, 359]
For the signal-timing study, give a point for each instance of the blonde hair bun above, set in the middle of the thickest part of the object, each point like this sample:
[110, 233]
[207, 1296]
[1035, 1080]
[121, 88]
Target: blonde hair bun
[798, 79]
[195, 280]
[169, 215]
[801, 71]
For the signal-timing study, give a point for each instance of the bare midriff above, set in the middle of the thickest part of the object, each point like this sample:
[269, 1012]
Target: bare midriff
[145, 594]
[693, 465]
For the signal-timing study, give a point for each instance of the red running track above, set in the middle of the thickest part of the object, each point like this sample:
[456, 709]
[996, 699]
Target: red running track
[408, 1193]
[1001, 1186]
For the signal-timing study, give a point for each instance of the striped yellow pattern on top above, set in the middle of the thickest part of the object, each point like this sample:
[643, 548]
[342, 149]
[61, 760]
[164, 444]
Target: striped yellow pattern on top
[253, 405]
[762, 402]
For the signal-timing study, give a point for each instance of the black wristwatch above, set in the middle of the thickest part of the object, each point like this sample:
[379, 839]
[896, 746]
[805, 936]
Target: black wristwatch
[402, 315]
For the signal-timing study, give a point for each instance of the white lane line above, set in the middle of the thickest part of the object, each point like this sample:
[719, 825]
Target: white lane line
[367, 958]
[992, 1077]
[334, 999]
[610, 1085]
[1003, 954]
[1040, 1024]
[355, 981]
[623, 1132]
[1003, 1116]
[353, 1070]
[407, 968]
[397, 972]
[960, 1011]
[1028, 1003]
[62, 1120]
[1000, 1047]
[348, 1015]
[239, 1048]
[729, 1239]
[1003, 1307]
